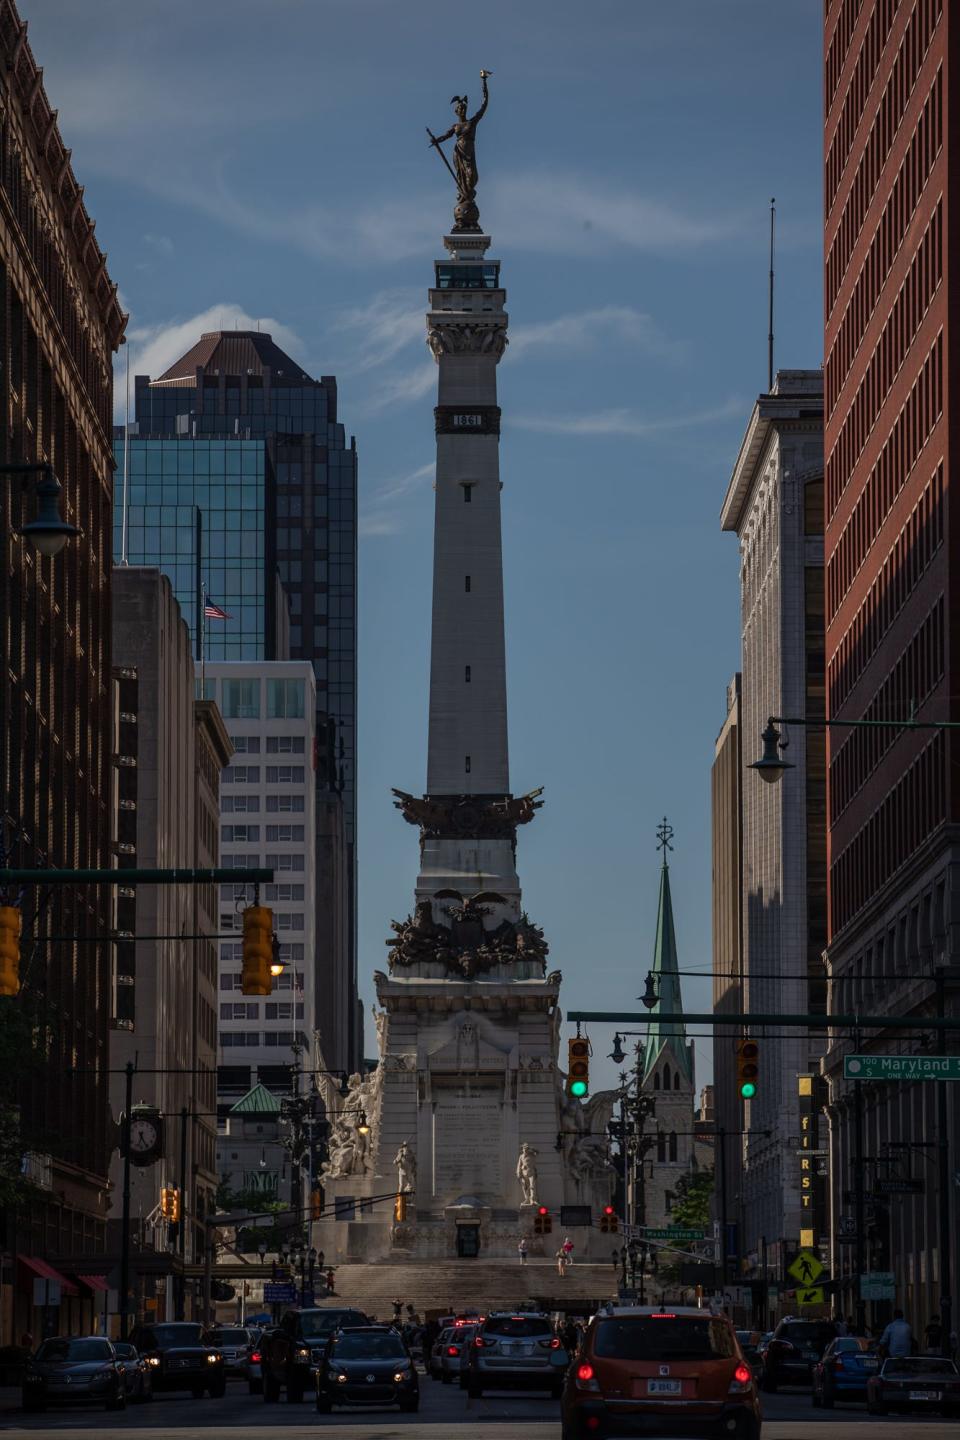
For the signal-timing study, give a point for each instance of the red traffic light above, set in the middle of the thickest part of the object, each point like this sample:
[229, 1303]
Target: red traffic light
[609, 1210]
[542, 1210]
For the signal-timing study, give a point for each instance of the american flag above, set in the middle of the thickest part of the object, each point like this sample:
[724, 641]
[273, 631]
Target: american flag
[214, 612]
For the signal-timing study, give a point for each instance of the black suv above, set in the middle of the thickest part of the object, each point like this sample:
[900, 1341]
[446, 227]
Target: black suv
[368, 1365]
[179, 1359]
[794, 1349]
[292, 1350]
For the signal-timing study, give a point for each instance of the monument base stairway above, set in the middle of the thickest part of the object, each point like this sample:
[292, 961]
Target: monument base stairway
[484, 1285]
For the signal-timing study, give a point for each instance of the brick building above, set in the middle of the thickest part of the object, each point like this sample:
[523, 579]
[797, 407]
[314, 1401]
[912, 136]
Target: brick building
[59, 326]
[892, 82]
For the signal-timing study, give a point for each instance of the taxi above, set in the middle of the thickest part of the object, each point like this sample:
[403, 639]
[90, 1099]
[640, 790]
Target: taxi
[644, 1370]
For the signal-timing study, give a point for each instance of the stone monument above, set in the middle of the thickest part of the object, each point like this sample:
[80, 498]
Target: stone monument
[467, 1080]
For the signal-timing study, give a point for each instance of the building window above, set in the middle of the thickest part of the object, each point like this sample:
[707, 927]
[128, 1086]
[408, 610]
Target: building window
[673, 1145]
[245, 745]
[656, 1081]
[285, 862]
[240, 834]
[661, 1146]
[666, 1077]
[239, 804]
[284, 892]
[467, 494]
[284, 774]
[466, 674]
[284, 834]
[676, 1080]
[668, 1199]
[467, 764]
[284, 744]
[284, 699]
[466, 583]
[241, 699]
[279, 803]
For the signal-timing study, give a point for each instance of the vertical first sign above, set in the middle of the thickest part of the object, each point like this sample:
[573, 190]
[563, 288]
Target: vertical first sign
[811, 1185]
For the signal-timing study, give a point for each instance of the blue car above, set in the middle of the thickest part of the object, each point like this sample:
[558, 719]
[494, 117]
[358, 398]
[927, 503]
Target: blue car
[844, 1369]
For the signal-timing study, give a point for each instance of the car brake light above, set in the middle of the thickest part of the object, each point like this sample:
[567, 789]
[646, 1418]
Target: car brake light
[838, 1364]
[742, 1374]
[585, 1372]
[256, 1357]
[453, 1349]
[554, 1343]
[663, 1315]
[478, 1342]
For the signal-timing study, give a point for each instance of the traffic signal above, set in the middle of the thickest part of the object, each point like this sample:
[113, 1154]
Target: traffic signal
[748, 1068]
[10, 924]
[400, 1208]
[316, 1203]
[170, 1204]
[257, 950]
[609, 1222]
[543, 1221]
[578, 1067]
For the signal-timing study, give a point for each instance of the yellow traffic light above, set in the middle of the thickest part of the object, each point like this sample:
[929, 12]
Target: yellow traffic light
[257, 950]
[170, 1203]
[10, 927]
[748, 1068]
[400, 1209]
[578, 1067]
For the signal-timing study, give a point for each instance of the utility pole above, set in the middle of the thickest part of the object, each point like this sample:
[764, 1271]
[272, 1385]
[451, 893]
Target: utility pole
[722, 1180]
[125, 1221]
[180, 1305]
[945, 1196]
[858, 1198]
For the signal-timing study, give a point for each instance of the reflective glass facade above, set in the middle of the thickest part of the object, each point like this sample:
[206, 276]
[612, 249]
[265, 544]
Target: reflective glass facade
[222, 483]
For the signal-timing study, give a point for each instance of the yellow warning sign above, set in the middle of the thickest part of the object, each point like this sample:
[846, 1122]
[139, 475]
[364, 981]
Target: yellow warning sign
[810, 1296]
[806, 1268]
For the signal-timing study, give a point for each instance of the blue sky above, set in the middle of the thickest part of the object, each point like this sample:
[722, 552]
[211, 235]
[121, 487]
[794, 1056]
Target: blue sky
[267, 160]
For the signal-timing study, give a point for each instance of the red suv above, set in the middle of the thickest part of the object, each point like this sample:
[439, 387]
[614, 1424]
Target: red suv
[675, 1371]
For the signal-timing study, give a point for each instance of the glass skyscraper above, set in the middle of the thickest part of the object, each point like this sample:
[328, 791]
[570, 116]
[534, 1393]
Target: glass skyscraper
[237, 477]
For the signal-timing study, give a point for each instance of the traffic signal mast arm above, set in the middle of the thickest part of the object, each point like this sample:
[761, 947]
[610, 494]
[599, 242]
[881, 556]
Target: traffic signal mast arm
[814, 1022]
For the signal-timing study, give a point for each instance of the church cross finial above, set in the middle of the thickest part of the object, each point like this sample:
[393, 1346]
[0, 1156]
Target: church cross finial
[664, 836]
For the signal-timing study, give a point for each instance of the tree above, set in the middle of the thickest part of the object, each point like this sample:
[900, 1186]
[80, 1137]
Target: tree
[691, 1208]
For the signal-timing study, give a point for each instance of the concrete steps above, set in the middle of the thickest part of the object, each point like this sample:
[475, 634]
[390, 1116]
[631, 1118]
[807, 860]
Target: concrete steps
[456, 1285]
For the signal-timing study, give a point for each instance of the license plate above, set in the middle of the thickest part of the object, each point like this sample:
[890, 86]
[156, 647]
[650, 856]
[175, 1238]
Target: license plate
[871, 1364]
[925, 1395]
[663, 1387]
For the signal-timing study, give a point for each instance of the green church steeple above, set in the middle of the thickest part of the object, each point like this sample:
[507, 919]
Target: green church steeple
[666, 977]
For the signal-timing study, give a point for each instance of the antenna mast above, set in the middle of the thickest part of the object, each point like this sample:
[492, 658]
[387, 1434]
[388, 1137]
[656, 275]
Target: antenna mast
[773, 222]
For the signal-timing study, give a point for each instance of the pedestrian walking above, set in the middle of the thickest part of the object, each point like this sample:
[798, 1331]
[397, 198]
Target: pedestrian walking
[567, 1248]
[933, 1336]
[522, 1250]
[842, 1327]
[562, 1262]
[897, 1339]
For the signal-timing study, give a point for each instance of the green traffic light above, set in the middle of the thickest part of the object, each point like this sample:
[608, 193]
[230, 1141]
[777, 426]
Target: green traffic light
[748, 1090]
[579, 1089]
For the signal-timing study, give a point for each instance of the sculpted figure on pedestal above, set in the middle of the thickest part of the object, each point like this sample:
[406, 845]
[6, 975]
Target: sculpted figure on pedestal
[527, 1173]
[406, 1163]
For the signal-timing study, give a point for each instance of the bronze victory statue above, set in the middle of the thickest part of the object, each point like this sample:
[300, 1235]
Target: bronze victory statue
[466, 215]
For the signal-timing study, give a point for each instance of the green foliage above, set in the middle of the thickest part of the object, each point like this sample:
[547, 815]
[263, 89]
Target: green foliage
[691, 1208]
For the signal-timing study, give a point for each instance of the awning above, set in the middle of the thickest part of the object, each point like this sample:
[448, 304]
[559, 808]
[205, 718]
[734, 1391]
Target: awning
[94, 1282]
[47, 1272]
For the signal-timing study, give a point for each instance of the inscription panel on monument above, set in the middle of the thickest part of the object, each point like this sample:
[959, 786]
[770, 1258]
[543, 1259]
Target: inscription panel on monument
[467, 1138]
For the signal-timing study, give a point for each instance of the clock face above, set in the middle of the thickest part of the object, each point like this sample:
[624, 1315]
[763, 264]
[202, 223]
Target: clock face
[143, 1136]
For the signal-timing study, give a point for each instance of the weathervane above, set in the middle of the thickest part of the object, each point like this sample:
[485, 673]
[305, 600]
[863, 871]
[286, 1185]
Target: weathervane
[466, 215]
[664, 836]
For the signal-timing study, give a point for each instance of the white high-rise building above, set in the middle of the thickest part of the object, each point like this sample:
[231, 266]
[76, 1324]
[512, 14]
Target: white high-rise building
[267, 799]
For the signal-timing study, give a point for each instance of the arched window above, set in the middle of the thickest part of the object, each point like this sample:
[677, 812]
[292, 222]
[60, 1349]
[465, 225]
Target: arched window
[661, 1145]
[673, 1145]
[656, 1081]
[666, 1077]
[676, 1081]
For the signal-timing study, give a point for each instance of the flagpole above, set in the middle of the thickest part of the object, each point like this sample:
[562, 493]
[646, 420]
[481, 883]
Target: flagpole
[203, 632]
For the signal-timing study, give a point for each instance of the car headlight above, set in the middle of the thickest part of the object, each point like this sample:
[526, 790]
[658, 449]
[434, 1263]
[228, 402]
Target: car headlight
[400, 1376]
[152, 1359]
[341, 1379]
[303, 1354]
[104, 1374]
[214, 1359]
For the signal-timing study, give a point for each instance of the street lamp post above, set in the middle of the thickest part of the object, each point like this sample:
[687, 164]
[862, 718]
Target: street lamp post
[49, 532]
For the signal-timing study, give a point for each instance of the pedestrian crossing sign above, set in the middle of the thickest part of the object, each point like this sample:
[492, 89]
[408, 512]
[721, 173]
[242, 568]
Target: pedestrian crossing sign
[811, 1296]
[806, 1269]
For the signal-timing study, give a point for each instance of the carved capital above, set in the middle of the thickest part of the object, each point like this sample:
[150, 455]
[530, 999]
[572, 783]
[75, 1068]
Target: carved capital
[467, 337]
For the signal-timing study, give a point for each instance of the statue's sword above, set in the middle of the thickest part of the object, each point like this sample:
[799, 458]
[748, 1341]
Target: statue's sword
[442, 154]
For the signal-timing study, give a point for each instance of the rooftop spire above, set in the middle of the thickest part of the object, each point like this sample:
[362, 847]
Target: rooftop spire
[669, 999]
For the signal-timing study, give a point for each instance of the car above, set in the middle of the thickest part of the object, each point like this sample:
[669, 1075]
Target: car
[454, 1354]
[180, 1359]
[512, 1351]
[435, 1360]
[367, 1365]
[915, 1382]
[254, 1362]
[843, 1370]
[137, 1379]
[291, 1351]
[643, 1370]
[233, 1342]
[70, 1369]
[793, 1350]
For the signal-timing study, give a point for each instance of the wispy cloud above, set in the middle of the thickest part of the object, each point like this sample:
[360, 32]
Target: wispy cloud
[383, 514]
[627, 422]
[582, 329]
[161, 244]
[376, 332]
[153, 348]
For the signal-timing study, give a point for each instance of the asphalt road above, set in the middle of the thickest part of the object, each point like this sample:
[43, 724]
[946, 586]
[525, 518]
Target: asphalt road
[443, 1409]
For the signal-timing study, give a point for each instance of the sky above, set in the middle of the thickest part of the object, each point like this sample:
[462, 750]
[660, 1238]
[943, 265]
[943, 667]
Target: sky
[267, 161]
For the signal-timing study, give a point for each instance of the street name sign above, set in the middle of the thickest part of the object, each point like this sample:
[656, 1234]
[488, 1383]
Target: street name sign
[899, 1187]
[806, 1270]
[901, 1067]
[878, 1285]
[671, 1232]
[279, 1294]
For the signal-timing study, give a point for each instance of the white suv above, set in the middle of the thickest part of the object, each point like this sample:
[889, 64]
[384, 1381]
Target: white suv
[515, 1351]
